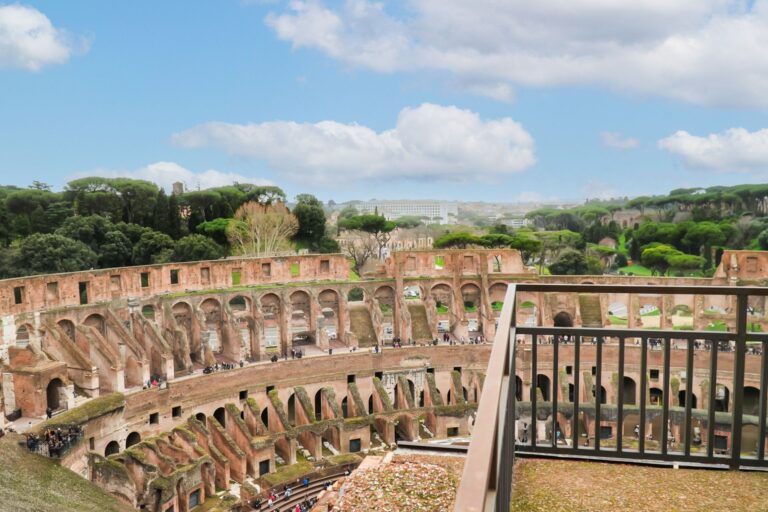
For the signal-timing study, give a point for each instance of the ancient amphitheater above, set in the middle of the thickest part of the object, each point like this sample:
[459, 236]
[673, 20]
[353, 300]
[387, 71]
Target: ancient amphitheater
[123, 354]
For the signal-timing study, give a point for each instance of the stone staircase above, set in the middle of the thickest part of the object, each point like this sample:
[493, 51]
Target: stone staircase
[589, 307]
[419, 323]
[361, 325]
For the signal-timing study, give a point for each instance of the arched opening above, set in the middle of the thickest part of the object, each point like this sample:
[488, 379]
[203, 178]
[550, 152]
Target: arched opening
[265, 417]
[148, 312]
[292, 409]
[113, 448]
[542, 383]
[270, 311]
[345, 407]
[518, 389]
[300, 321]
[385, 296]
[496, 295]
[55, 394]
[630, 391]
[412, 292]
[200, 417]
[563, 319]
[421, 398]
[22, 336]
[329, 309]
[68, 327]
[319, 404]
[443, 297]
[470, 296]
[356, 295]
[370, 404]
[751, 400]
[221, 416]
[465, 394]
[237, 304]
[132, 439]
[722, 395]
[681, 399]
[603, 395]
[97, 322]
[657, 396]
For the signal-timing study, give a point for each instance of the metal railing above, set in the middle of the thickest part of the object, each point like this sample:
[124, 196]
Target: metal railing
[520, 352]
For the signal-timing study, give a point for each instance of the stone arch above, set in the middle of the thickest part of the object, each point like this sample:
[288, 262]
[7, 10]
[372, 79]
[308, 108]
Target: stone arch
[329, 309]
[182, 312]
[55, 394]
[301, 318]
[113, 448]
[211, 309]
[68, 326]
[563, 319]
[496, 294]
[221, 416]
[319, 404]
[356, 294]
[603, 395]
[630, 391]
[385, 295]
[23, 335]
[543, 384]
[657, 396]
[471, 297]
[345, 407]
[751, 400]
[413, 292]
[442, 294]
[694, 400]
[291, 409]
[148, 311]
[722, 397]
[97, 322]
[132, 439]
[239, 303]
[270, 311]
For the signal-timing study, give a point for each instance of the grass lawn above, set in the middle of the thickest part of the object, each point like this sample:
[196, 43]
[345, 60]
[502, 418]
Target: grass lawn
[636, 270]
[615, 320]
[717, 326]
[655, 312]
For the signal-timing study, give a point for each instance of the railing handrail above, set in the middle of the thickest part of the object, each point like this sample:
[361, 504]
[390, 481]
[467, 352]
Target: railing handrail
[487, 477]
[477, 482]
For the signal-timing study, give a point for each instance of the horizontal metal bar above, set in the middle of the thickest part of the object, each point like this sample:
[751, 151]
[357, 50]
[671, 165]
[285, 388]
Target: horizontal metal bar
[655, 289]
[627, 333]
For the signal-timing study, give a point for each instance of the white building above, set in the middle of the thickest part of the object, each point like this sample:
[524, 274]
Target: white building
[431, 212]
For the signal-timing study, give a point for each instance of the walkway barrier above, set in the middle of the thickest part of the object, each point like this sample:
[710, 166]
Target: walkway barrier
[569, 420]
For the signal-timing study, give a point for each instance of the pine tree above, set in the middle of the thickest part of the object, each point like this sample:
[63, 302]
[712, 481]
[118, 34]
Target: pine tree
[162, 218]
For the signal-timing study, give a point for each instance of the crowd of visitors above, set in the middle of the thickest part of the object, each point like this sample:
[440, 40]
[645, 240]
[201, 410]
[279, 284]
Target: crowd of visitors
[54, 442]
[222, 366]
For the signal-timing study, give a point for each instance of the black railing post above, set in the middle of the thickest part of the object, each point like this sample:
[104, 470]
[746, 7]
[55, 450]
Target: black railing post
[688, 395]
[643, 392]
[761, 434]
[666, 399]
[534, 388]
[598, 391]
[712, 397]
[738, 378]
[620, 406]
[576, 381]
[555, 386]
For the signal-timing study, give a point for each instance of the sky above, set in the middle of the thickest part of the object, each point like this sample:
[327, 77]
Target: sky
[482, 100]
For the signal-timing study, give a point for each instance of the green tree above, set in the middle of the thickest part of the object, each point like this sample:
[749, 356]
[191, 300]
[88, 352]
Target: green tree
[195, 248]
[311, 216]
[116, 251]
[153, 247]
[161, 216]
[375, 225]
[569, 262]
[51, 253]
[174, 217]
[656, 257]
[460, 240]
[216, 229]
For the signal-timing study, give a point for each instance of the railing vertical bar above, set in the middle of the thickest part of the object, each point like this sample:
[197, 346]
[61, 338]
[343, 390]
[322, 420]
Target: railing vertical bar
[598, 391]
[555, 385]
[711, 401]
[643, 392]
[763, 410]
[534, 388]
[738, 378]
[688, 395]
[576, 380]
[620, 406]
[507, 441]
[666, 399]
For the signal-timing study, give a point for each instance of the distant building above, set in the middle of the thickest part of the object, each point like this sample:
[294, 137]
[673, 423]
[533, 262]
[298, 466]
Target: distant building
[178, 188]
[431, 212]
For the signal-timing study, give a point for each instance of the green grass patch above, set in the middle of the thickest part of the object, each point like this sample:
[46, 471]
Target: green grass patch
[288, 473]
[345, 458]
[385, 308]
[655, 312]
[497, 305]
[718, 326]
[615, 320]
[442, 309]
[635, 270]
[527, 305]
[86, 412]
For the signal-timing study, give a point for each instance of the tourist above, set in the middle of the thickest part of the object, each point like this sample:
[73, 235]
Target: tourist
[48, 412]
[305, 482]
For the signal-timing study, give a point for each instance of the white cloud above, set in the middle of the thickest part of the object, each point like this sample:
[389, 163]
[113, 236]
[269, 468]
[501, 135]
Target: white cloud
[708, 52]
[734, 150]
[428, 142]
[165, 174]
[28, 39]
[616, 140]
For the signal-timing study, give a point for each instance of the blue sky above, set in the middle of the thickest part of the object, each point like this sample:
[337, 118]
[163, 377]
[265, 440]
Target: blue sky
[422, 99]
